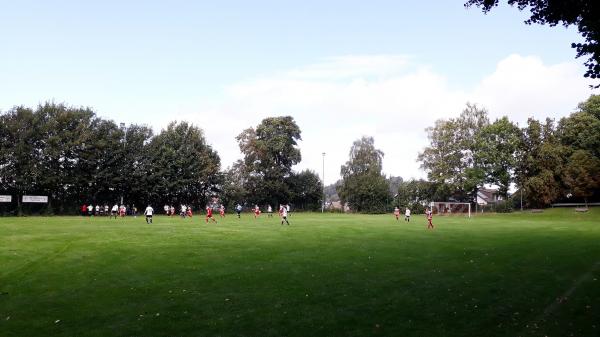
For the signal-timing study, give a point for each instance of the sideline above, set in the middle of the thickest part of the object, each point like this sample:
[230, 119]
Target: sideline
[533, 326]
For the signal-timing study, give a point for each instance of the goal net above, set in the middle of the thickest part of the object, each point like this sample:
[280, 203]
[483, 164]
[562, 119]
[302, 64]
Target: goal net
[450, 208]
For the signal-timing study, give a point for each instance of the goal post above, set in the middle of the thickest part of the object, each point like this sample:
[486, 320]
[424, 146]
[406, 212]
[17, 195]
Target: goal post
[450, 208]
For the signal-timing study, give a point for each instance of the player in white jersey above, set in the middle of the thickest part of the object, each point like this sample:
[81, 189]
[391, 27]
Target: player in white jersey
[166, 209]
[148, 213]
[114, 210]
[284, 214]
[269, 211]
[407, 215]
[90, 210]
[183, 211]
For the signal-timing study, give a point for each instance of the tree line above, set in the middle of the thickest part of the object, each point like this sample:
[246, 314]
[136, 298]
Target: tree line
[73, 156]
[544, 162]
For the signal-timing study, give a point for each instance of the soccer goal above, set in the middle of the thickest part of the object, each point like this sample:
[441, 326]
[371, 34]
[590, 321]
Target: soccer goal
[450, 208]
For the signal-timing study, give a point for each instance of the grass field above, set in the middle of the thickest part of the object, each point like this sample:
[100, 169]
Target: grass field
[325, 275]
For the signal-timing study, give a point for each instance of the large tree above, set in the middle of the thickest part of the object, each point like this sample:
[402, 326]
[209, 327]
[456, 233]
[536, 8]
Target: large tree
[269, 152]
[184, 167]
[591, 106]
[582, 174]
[585, 14]
[497, 146]
[364, 187]
[541, 159]
[580, 131]
[451, 156]
[306, 190]
[19, 144]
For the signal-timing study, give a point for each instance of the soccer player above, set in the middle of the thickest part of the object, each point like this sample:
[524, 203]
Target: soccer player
[269, 211]
[114, 210]
[172, 210]
[256, 211]
[148, 213]
[429, 214]
[284, 214]
[287, 208]
[189, 211]
[166, 208]
[238, 210]
[122, 211]
[209, 215]
[90, 210]
[222, 211]
[397, 213]
[84, 210]
[97, 210]
[183, 211]
[407, 215]
[105, 209]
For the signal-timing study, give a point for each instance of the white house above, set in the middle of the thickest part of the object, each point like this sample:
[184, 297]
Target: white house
[487, 196]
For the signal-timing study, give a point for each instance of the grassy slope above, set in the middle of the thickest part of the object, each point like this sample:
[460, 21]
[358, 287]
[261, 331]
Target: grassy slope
[328, 275]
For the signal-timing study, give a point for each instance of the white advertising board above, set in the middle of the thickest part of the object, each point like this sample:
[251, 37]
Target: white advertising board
[5, 198]
[35, 198]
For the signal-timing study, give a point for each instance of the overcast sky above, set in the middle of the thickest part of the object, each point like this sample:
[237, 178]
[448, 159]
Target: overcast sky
[342, 69]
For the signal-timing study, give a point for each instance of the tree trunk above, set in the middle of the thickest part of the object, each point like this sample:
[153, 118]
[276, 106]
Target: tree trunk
[19, 210]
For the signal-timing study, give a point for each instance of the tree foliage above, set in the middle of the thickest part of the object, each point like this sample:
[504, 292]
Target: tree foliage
[417, 194]
[496, 150]
[543, 159]
[582, 174]
[451, 156]
[306, 190]
[75, 157]
[265, 175]
[269, 152]
[183, 168]
[363, 186]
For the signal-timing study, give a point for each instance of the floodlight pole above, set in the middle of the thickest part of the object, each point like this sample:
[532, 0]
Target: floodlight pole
[124, 128]
[323, 203]
[521, 198]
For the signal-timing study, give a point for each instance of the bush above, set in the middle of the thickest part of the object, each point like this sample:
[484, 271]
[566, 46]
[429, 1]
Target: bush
[504, 206]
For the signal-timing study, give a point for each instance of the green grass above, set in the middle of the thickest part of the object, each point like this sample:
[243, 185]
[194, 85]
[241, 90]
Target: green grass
[325, 275]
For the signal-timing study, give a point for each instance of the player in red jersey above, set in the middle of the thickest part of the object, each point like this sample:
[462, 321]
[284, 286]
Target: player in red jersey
[256, 211]
[222, 211]
[429, 214]
[209, 214]
[397, 213]
[189, 211]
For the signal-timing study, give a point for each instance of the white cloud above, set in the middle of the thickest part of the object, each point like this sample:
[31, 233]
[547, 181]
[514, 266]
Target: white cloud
[389, 97]
[523, 87]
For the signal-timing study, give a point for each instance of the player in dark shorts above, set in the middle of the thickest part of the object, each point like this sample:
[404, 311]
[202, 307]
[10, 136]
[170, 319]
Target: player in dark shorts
[283, 212]
[148, 213]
